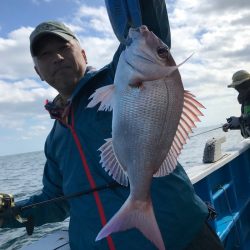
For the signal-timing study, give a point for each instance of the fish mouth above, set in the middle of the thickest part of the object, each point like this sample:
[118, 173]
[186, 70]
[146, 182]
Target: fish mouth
[138, 30]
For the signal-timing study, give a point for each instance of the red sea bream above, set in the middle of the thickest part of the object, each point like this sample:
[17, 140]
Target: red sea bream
[152, 117]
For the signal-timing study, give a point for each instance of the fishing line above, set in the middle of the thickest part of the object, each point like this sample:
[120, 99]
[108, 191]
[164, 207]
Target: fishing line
[206, 131]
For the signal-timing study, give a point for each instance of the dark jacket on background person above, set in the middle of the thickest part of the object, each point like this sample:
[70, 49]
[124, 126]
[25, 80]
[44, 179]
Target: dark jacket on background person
[244, 119]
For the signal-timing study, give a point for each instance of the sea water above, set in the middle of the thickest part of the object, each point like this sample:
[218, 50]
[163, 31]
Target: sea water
[21, 175]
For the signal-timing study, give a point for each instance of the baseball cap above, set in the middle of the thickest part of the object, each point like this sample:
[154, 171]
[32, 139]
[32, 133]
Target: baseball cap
[238, 78]
[50, 27]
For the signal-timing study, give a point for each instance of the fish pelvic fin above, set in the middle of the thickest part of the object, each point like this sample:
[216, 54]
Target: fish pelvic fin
[168, 164]
[111, 164]
[135, 214]
[190, 115]
[104, 96]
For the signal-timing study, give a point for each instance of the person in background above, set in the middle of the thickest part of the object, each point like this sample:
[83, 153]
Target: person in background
[72, 159]
[241, 82]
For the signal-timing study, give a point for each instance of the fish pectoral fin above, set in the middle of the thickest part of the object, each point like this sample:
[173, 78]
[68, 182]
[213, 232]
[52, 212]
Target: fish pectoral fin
[103, 95]
[111, 164]
[188, 118]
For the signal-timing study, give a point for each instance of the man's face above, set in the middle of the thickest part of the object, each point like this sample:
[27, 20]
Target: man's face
[243, 87]
[60, 63]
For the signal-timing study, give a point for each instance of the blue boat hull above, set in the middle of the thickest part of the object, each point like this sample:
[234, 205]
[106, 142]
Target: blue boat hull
[228, 190]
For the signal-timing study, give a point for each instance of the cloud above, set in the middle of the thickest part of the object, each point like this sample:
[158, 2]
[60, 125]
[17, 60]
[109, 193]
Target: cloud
[217, 31]
[101, 56]
[22, 112]
[224, 5]
[25, 91]
[16, 62]
[94, 31]
[213, 36]
[95, 34]
[34, 131]
[38, 2]
[91, 26]
[93, 19]
[22, 94]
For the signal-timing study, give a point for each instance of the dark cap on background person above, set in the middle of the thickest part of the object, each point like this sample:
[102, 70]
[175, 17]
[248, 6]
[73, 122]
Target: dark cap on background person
[49, 28]
[238, 78]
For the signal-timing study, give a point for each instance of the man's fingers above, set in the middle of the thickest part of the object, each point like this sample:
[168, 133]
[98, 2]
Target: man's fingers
[225, 127]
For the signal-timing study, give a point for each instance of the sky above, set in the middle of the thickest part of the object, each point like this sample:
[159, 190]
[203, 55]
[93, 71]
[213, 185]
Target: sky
[216, 31]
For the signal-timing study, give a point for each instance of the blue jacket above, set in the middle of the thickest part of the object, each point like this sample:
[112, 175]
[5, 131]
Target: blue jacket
[73, 165]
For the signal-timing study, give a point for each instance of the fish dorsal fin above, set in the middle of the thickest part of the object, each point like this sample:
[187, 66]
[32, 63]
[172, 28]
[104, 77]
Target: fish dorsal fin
[103, 95]
[188, 118]
[111, 164]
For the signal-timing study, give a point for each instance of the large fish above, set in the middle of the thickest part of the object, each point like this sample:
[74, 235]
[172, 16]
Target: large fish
[152, 116]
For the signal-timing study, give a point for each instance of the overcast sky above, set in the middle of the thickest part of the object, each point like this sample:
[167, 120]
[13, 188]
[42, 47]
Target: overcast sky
[216, 30]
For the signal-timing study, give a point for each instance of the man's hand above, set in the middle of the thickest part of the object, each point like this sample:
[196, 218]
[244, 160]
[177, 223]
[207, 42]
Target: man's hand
[6, 207]
[232, 123]
[225, 127]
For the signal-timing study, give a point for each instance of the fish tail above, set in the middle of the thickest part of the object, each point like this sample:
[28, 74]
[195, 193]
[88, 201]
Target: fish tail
[135, 214]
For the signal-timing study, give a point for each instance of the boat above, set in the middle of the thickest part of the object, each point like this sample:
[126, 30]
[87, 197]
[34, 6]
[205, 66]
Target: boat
[225, 184]
[223, 181]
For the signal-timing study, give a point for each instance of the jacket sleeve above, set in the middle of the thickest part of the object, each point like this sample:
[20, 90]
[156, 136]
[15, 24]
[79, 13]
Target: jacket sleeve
[154, 15]
[53, 212]
[245, 125]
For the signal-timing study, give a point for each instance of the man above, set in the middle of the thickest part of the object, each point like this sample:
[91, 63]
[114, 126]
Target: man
[73, 160]
[241, 82]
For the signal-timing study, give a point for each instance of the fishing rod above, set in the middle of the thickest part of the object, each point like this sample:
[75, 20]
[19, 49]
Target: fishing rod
[206, 131]
[9, 209]
[70, 196]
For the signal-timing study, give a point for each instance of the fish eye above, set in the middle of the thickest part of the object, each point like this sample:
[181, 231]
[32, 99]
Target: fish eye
[162, 52]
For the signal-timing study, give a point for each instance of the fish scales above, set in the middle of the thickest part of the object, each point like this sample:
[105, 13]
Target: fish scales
[145, 114]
